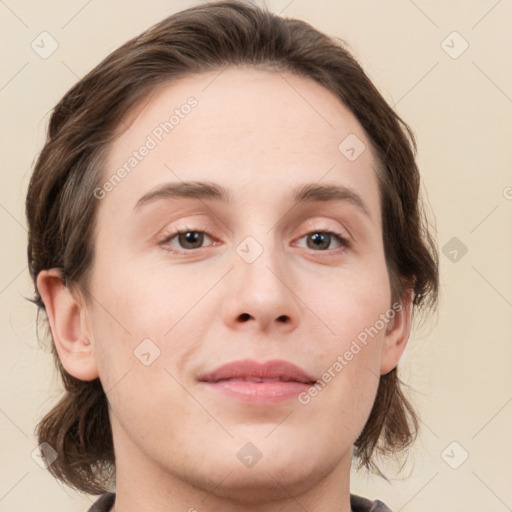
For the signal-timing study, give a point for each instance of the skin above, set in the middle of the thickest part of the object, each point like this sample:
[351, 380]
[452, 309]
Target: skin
[258, 133]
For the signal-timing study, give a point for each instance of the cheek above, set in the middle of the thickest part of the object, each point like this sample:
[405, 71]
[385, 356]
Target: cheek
[350, 301]
[355, 312]
[136, 312]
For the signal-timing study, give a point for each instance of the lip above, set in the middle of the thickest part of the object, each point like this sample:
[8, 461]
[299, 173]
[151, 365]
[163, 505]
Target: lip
[250, 381]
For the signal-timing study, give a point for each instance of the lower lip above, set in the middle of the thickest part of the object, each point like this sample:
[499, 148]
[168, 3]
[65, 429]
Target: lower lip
[259, 392]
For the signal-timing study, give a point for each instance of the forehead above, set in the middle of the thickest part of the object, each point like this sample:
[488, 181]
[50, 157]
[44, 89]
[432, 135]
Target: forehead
[252, 130]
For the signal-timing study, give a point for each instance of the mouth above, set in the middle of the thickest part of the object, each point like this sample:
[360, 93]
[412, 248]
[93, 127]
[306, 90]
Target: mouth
[248, 370]
[259, 379]
[254, 382]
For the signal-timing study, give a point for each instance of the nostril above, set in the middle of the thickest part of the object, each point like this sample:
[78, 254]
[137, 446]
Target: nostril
[246, 316]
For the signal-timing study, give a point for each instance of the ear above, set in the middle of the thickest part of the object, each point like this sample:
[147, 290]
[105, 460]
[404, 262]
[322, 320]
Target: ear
[67, 323]
[397, 333]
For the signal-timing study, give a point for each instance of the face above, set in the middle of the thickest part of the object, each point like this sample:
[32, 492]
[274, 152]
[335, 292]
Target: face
[259, 275]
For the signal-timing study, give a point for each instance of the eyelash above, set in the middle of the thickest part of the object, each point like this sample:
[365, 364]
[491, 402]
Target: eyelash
[165, 243]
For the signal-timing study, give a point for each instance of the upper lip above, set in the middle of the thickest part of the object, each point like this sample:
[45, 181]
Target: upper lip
[251, 370]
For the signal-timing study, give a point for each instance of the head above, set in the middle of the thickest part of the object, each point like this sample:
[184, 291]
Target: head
[260, 108]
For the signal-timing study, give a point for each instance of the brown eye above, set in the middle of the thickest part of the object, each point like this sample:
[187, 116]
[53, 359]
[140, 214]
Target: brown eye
[322, 240]
[185, 240]
[191, 239]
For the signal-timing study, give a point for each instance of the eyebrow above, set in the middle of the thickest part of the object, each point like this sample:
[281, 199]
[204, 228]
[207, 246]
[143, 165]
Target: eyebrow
[207, 190]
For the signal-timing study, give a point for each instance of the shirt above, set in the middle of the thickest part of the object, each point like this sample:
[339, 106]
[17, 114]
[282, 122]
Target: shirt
[358, 504]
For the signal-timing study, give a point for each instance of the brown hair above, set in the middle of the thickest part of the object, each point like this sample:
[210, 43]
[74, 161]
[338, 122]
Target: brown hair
[61, 207]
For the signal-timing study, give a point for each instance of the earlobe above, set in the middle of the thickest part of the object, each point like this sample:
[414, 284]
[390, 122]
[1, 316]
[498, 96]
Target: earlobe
[397, 334]
[65, 316]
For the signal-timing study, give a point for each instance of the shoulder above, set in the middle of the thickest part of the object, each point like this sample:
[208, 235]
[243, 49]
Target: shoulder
[104, 503]
[360, 504]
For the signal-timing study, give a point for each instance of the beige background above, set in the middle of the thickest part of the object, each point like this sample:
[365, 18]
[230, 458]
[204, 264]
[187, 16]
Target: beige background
[461, 111]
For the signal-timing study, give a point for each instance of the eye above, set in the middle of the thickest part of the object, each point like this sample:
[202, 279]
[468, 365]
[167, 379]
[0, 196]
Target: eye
[321, 240]
[187, 239]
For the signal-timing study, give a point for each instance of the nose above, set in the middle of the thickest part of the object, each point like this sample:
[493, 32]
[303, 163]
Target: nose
[261, 293]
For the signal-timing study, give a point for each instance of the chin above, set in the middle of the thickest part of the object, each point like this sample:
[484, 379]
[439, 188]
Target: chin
[263, 482]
